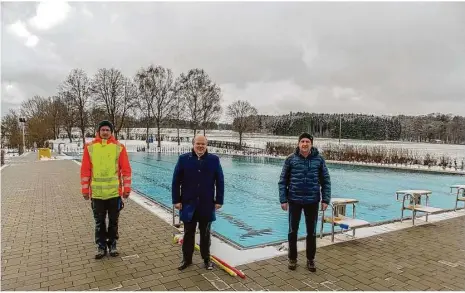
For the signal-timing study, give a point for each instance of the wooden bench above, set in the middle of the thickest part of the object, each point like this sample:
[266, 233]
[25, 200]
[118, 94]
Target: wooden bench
[339, 219]
[460, 188]
[414, 203]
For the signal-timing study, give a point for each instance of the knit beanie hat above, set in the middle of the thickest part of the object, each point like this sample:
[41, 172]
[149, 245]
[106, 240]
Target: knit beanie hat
[306, 135]
[105, 123]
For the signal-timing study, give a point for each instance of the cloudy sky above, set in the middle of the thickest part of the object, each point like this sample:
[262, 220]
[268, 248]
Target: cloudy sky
[380, 58]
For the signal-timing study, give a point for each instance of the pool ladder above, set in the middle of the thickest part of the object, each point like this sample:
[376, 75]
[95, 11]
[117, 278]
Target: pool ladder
[460, 189]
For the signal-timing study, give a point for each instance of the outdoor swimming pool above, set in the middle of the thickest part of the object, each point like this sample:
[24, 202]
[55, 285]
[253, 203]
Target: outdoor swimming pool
[252, 215]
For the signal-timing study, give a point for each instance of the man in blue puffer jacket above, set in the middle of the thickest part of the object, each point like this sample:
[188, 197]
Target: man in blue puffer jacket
[197, 192]
[304, 183]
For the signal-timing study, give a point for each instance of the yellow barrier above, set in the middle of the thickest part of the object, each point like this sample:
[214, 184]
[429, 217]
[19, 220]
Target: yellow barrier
[45, 153]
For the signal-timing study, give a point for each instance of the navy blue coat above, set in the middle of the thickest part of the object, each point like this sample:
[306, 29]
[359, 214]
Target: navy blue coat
[305, 180]
[198, 184]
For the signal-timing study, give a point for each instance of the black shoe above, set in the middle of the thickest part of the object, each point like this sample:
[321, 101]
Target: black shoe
[113, 250]
[208, 264]
[311, 265]
[101, 252]
[292, 264]
[184, 264]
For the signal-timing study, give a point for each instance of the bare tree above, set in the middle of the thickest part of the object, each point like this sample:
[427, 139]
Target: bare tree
[129, 122]
[77, 87]
[11, 130]
[40, 114]
[241, 112]
[130, 99]
[96, 114]
[33, 107]
[210, 106]
[194, 87]
[156, 86]
[145, 102]
[178, 113]
[109, 87]
[57, 107]
[68, 115]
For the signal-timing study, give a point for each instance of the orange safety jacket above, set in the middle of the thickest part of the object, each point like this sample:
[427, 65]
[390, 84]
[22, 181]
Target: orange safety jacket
[105, 169]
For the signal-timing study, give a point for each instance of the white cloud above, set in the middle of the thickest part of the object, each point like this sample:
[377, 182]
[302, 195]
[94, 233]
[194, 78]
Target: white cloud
[272, 97]
[50, 14]
[19, 29]
[114, 17]
[32, 41]
[12, 94]
[341, 93]
[86, 12]
[318, 57]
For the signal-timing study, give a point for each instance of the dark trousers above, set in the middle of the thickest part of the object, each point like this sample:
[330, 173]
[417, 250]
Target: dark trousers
[311, 219]
[101, 207]
[189, 238]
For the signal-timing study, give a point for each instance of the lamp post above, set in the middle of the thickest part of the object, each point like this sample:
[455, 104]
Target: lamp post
[23, 121]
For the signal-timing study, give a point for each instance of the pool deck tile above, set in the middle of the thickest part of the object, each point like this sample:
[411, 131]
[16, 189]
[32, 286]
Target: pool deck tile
[47, 244]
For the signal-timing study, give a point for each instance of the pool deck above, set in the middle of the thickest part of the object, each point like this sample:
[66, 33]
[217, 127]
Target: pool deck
[47, 244]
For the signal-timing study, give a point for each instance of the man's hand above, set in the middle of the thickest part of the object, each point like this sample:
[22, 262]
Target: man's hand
[284, 206]
[126, 195]
[86, 196]
[218, 206]
[324, 206]
[178, 206]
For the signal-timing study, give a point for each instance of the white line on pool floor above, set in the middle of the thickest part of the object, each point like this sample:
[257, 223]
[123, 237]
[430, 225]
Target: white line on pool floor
[236, 257]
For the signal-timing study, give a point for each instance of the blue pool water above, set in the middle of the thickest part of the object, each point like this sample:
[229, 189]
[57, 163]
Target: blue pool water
[252, 215]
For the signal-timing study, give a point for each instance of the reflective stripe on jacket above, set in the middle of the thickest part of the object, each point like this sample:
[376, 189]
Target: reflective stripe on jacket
[105, 169]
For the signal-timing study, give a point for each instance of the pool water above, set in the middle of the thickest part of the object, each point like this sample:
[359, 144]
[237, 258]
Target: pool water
[252, 215]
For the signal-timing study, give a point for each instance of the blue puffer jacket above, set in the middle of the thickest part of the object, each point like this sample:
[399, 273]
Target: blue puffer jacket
[302, 179]
[198, 184]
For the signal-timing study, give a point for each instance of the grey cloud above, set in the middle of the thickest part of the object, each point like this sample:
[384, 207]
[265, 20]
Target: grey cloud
[384, 57]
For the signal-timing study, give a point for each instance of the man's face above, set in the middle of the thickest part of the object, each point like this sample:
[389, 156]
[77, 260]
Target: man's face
[200, 145]
[305, 145]
[105, 132]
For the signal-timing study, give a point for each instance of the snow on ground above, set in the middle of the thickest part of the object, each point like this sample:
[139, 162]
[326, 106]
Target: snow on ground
[454, 151]
[259, 140]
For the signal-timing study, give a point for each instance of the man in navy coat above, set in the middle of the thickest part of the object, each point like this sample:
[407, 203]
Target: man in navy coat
[197, 192]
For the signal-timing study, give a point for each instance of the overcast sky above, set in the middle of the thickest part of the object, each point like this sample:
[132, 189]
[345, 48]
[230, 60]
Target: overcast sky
[380, 58]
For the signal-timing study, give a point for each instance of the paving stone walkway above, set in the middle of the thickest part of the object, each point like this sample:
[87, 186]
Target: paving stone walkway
[47, 244]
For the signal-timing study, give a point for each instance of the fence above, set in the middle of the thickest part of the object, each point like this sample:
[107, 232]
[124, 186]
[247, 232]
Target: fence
[348, 153]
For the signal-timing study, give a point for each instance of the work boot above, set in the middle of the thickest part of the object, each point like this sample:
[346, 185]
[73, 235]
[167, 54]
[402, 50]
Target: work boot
[184, 264]
[101, 252]
[311, 265]
[208, 264]
[292, 264]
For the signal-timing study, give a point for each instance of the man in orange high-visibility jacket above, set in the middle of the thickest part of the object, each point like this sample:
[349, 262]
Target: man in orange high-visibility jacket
[105, 177]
